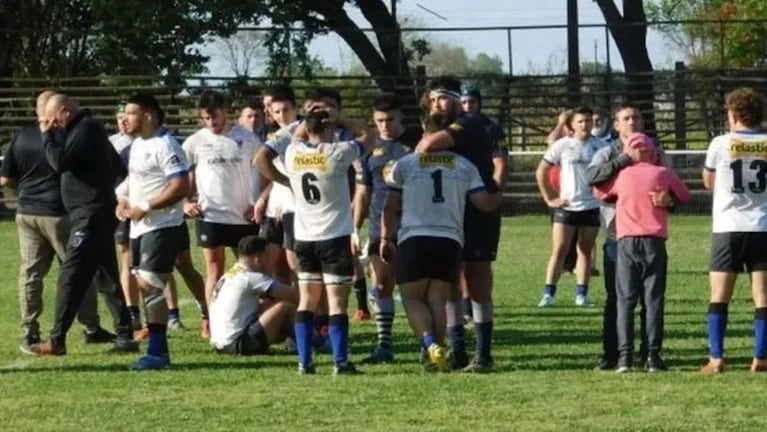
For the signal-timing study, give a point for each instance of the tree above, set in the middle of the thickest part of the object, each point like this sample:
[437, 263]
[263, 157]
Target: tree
[242, 52]
[629, 30]
[725, 40]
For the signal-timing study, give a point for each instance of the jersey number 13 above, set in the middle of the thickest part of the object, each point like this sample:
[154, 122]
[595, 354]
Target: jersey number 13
[758, 165]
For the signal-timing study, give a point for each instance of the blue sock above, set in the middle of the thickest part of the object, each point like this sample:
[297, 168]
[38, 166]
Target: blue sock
[303, 328]
[339, 338]
[760, 333]
[157, 345]
[427, 340]
[174, 315]
[717, 324]
[582, 290]
[483, 329]
[457, 338]
[466, 304]
[550, 290]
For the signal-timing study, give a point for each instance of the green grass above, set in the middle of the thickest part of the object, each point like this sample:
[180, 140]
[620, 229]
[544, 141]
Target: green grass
[544, 379]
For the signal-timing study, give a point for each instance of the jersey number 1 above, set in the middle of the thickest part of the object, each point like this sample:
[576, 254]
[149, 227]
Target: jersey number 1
[436, 178]
[758, 165]
[310, 190]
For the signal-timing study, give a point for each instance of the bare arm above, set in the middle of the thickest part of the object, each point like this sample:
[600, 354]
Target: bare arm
[500, 169]
[282, 292]
[389, 216]
[542, 178]
[176, 190]
[265, 163]
[708, 179]
[6, 181]
[361, 205]
[485, 201]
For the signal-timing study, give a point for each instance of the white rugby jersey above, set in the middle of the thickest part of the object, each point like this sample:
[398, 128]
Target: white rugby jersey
[152, 162]
[222, 167]
[740, 186]
[235, 304]
[280, 197]
[574, 156]
[434, 189]
[319, 178]
[120, 141]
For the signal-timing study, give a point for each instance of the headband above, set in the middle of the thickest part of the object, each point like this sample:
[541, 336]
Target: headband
[442, 92]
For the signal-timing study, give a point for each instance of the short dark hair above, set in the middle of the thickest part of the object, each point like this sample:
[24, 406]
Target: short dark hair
[317, 121]
[387, 102]
[211, 100]
[333, 94]
[446, 83]
[147, 102]
[281, 93]
[250, 246]
[254, 104]
[582, 110]
[746, 106]
[624, 106]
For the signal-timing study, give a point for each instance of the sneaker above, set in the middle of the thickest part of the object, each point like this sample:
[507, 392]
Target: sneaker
[458, 360]
[361, 315]
[346, 369]
[438, 357]
[205, 329]
[380, 355]
[142, 334]
[124, 345]
[99, 336]
[546, 301]
[655, 364]
[624, 364]
[758, 366]
[481, 366]
[175, 326]
[307, 369]
[607, 364]
[714, 367]
[45, 348]
[583, 301]
[27, 342]
[151, 362]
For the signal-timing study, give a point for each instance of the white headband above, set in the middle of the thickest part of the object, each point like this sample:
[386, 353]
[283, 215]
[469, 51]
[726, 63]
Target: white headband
[443, 92]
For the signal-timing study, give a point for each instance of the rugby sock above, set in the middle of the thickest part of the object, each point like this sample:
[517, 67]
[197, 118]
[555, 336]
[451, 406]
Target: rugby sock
[467, 308]
[582, 290]
[760, 333]
[717, 325]
[135, 313]
[550, 290]
[339, 338]
[157, 345]
[174, 314]
[455, 330]
[427, 340]
[303, 329]
[483, 328]
[361, 291]
[384, 319]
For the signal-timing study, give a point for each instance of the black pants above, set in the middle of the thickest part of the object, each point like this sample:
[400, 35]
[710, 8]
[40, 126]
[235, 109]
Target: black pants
[641, 273]
[610, 317]
[90, 255]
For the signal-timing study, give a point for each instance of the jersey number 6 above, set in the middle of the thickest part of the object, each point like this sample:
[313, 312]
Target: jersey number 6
[310, 190]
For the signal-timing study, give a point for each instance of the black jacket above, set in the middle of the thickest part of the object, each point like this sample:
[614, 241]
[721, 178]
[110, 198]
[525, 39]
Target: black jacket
[88, 164]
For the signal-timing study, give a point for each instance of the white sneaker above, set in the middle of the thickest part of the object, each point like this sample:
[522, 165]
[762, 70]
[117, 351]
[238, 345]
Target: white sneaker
[583, 301]
[546, 301]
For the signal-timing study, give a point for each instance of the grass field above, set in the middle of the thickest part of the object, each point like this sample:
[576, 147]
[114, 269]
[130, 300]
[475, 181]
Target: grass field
[544, 379]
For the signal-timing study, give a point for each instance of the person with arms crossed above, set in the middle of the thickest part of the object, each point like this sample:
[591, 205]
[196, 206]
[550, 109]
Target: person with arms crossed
[468, 137]
[220, 156]
[250, 311]
[642, 230]
[575, 208]
[392, 143]
[430, 238]
[78, 148]
[156, 186]
[736, 173]
[317, 168]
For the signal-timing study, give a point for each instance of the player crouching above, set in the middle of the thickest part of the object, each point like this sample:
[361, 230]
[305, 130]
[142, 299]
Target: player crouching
[250, 311]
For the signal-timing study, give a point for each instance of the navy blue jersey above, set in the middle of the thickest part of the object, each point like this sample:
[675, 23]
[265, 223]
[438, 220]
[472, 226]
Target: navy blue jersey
[376, 165]
[472, 142]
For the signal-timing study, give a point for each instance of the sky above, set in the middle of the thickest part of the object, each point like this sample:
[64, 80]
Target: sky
[533, 51]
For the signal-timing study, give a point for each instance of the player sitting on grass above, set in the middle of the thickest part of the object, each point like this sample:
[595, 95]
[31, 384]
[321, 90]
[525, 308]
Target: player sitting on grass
[430, 235]
[250, 311]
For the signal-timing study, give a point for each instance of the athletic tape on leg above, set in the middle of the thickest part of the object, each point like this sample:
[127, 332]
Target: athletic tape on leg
[155, 281]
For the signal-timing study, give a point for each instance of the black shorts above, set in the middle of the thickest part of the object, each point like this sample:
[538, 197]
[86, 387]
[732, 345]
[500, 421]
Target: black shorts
[328, 261]
[288, 231]
[271, 231]
[156, 251]
[425, 257]
[482, 231]
[122, 233]
[186, 243]
[585, 218]
[212, 235]
[252, 342]
[736, 252]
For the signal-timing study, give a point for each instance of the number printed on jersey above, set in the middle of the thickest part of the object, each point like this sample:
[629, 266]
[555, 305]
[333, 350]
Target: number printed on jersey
[748, 166]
